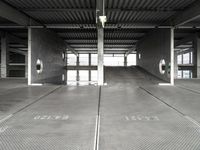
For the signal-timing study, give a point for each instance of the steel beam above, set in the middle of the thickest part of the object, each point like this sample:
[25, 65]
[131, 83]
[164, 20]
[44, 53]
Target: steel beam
[69, 48]
[13, 15]
[107, 9]
[130, 51]
[4, 56]
[188, 15]
[15, 39]
[18, 51]
[172, 57]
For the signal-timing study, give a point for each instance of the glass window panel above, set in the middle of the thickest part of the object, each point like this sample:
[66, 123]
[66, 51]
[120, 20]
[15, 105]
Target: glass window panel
[191, 59]
[84, 59]
[131, 59]
[94, 59]
[113, 61]
[93, 75]
[186, 58]
[71, 75]
[179, 59]
[186, 74]
[179, 74]
[84, 75]
[71, 60]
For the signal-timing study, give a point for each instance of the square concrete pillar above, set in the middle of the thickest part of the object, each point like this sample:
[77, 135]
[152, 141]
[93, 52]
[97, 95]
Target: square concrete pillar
[26, 66]
[90, 64]
[77, 64]
[125, 61]
[4, 56]
[172, 61]
[100, 56]
[196, 57]
[175, 65]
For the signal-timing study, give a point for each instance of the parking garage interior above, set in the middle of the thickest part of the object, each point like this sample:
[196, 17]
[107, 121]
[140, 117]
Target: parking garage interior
[100, 74]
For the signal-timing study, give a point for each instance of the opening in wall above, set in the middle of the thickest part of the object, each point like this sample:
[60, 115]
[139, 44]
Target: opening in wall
[162, 66]
[39, 66]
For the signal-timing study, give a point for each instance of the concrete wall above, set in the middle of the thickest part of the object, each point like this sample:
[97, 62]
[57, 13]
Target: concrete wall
[196, 56]
[48, 47]
[152, 48]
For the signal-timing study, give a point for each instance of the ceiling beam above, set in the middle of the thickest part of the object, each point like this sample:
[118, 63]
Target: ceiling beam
[18, 51]
[130, 51]
[69, 48]
[10, 13]
[106, 39]
[185, 40]
[189, 14]
[116, 25]
[108, 49]
[15, 39]
[93, 10]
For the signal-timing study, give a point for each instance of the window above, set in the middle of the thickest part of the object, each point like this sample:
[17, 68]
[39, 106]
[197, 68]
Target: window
[84, 75]
[186, 58]
[71, 59]
[191, 57]
[71, 75]
[131, 60]
[93, 75]
[113, 60]
[94, 59]
[179, 59]
[179, 74]
[184, 74]
[84, 59]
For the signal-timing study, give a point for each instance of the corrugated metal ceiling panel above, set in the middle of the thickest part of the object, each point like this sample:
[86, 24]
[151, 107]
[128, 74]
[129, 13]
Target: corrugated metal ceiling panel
[120, 13]
[52, 3]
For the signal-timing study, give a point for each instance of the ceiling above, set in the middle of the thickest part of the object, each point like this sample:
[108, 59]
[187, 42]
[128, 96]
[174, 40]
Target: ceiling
[75, 20]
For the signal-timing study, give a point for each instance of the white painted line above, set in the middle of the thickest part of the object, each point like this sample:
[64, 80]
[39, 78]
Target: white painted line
[193, 121]
[99, 122]
[95, 133]
[6, 118]
[165, 84]
[127, 118]
[36, 84]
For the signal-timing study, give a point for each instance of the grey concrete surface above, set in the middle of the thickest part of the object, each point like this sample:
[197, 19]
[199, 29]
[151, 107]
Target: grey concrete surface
[130, 117]
[15, 95]
[191, 84]
[184, 97]
[133, 119]
[63, 120]
[48, 47]
[11, 83]
[153, 47]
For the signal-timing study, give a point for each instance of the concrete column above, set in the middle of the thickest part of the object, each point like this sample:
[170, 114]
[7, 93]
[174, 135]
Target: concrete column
[77, 64]
[196, 58]
[100, 56]
[29, 56]
[125, 61]
[172, 57]
[175, 65]
[26, 66]
[4, 56]
[90, 63]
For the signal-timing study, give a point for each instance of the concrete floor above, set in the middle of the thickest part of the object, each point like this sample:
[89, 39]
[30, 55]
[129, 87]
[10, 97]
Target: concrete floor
[135, 114]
